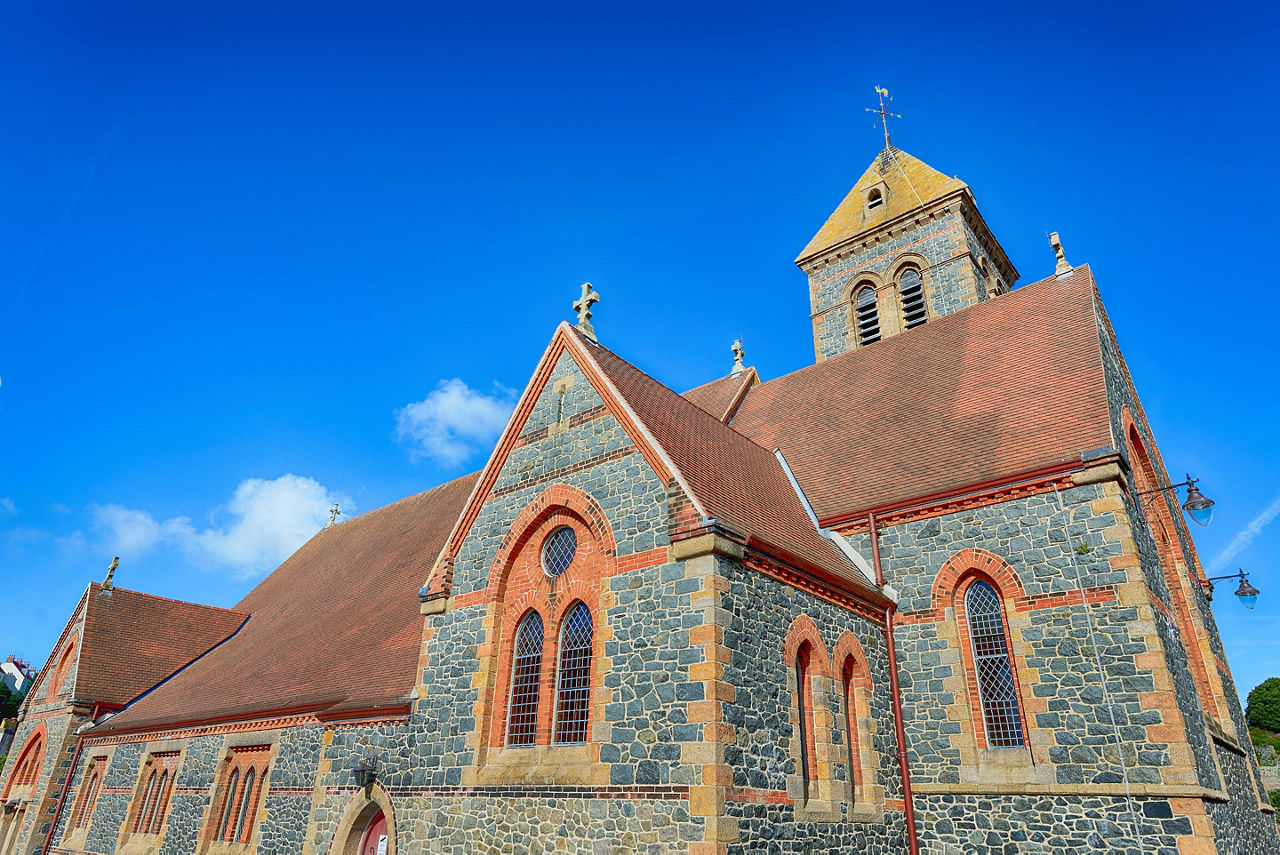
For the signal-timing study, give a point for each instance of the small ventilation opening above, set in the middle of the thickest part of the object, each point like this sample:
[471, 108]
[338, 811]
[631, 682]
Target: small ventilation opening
[875, 199]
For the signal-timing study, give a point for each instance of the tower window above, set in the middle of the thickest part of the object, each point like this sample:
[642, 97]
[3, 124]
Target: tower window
[997, 691]
[868, 316]
[912, 291]
[875, 199]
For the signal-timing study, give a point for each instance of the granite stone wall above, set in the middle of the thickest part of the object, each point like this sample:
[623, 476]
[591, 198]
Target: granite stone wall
[764, 753]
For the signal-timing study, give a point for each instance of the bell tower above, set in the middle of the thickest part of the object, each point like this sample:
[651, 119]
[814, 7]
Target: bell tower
[905, 247]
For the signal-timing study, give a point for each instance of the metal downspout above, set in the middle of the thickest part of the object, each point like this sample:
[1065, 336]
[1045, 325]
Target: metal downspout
[909, 813]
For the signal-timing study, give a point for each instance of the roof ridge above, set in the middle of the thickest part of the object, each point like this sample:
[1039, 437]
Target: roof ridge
[115, 590]
[684, 401]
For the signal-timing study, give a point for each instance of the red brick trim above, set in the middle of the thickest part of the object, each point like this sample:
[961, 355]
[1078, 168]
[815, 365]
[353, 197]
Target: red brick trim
[757, 795]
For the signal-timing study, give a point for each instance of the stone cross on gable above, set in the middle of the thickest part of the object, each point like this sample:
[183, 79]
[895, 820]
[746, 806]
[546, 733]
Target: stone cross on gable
[583, 307]
[738, 354]
[333, 514]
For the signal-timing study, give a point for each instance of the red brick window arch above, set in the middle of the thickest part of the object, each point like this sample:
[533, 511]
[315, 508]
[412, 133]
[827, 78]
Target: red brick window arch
[545, 584]
[63, 668]
[89, 793]
[27, 769]
[526, 679]
[241, 794]
[573, 691]
[992, 667]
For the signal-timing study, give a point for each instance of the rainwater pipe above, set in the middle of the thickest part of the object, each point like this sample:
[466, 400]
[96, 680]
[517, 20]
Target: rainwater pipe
[908, 807]
[875, 574]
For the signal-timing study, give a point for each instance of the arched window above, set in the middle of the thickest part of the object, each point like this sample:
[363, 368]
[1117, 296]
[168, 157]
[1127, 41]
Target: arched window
[162, 800]
[573, 694]
[63, 668]
[851, 723]
[868, 316]
[230, 804]
[144, 807]
[911, 290]
[875, 198]
[997, 691]
[246, 802]
[526, 673]
[88, 795]
[27, 769]
[804, 703]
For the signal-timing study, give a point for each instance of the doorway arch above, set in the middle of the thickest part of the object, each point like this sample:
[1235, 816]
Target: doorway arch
[368, 825]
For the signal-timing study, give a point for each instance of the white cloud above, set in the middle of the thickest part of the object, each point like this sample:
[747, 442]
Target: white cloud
[7, 506]
[129, 532]
[454, 421]
[263, 524]
[1244, 537]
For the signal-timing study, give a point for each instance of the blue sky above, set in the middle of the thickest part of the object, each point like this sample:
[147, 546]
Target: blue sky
[255, 258]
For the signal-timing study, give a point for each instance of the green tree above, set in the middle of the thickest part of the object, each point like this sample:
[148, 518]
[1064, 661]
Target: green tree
[1263, 709]
[9, 701]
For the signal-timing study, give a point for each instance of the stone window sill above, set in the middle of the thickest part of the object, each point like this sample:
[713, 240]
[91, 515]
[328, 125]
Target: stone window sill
[140, 844]
[559, 765]
[222, 847]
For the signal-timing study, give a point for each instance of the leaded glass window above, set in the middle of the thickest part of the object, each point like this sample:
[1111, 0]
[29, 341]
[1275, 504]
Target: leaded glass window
[526, 670]
[559, 550]
[997, 691]
[802, 701]
[573, 695]
[912, 291]
[245, 802]
[230, 804]
[868, 316]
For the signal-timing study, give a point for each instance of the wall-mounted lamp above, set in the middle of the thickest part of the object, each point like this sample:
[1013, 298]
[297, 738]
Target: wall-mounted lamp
[365, 772]
[1197, 505]
[1247, 593]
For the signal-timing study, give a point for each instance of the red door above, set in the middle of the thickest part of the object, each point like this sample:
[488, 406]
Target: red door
[375, 836]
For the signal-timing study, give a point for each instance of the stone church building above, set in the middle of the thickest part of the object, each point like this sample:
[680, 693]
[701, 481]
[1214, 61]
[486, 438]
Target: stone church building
[913, 598]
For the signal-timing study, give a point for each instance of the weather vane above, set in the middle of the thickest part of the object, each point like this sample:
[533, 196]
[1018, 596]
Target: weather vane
[883, 113]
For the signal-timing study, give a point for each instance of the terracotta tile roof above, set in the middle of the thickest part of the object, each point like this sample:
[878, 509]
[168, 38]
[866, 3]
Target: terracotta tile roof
[132, 641]
[735, 480]
[720, 397]
[1000, 388]
[911, 184]
[337, 626]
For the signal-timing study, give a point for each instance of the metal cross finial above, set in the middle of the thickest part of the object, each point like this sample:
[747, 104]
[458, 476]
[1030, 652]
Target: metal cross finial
[738, 353]
[883, 113]
[334, 512]
[583, 307]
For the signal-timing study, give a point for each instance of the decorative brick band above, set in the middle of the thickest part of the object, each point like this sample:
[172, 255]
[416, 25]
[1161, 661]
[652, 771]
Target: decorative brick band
[574, 420]
[533, 791]
[275, 723]
[788, 576]
[754, 795]
[559, 474]
[1058, 599]
[298, 792]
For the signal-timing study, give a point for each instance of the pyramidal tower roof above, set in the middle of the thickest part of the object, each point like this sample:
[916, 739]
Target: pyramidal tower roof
[906, 183]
